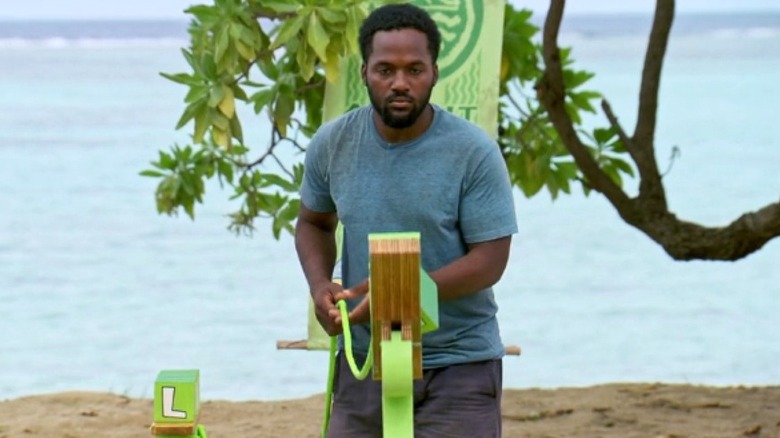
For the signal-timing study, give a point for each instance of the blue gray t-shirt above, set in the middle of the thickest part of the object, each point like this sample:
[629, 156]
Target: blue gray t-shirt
[450, 184]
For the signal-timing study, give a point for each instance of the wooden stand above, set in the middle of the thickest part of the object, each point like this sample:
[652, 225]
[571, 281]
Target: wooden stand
[394, 264]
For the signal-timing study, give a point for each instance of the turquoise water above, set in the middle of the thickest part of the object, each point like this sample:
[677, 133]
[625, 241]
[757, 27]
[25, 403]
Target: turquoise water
[98, 292]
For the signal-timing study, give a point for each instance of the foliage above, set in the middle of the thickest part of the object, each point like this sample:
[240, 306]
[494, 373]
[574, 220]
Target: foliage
[275, 58]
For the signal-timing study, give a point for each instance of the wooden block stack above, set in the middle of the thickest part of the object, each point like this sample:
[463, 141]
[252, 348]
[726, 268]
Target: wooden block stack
[394, 264]
[176, 403]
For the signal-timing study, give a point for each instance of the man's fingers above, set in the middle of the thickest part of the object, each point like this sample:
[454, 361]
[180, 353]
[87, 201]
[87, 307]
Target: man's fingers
[346, 294]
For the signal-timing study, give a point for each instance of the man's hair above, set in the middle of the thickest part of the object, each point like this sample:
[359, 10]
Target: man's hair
[397, 17]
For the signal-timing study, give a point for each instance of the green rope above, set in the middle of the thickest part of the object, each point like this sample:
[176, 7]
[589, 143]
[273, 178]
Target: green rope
[359, 373]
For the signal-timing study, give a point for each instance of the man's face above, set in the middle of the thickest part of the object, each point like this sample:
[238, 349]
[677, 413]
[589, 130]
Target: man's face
[400, 75]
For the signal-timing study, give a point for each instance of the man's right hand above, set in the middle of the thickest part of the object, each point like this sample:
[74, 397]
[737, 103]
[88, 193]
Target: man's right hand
[324, 297]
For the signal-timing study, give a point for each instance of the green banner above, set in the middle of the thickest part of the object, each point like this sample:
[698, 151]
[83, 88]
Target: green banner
[469, 63]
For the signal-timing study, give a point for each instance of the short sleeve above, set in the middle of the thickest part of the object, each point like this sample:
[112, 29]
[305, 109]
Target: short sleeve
[315, 189]
[487, 209]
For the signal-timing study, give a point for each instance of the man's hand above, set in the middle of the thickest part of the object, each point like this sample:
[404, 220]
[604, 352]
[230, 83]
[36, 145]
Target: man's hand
[324, 297]
[360, 314]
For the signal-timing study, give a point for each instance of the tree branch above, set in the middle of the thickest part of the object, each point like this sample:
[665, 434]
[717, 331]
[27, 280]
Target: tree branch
[688, 241]
[613, 121]
[551, 92]
[643, 144]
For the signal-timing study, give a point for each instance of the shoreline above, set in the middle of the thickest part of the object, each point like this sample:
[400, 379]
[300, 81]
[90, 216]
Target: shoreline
[609, 410]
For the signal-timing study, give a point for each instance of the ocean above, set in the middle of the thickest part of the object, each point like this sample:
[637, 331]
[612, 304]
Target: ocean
[98, 292]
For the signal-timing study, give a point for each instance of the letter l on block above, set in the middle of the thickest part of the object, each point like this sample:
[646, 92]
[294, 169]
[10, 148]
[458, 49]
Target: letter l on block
[168, 395]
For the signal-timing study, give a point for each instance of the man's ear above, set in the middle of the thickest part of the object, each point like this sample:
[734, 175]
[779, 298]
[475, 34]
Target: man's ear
[363, 74]
[435, 73]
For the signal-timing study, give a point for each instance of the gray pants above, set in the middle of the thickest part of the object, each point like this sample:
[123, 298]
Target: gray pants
[454, 401]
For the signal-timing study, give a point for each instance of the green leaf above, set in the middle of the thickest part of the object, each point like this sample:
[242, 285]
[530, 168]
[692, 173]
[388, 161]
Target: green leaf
[244, 50]
[285, 105]
[317, 37]
[603, 135]
[613, 174]
[263, 98]
[561, 181]
[216, 94]
[182, 78]
[332, 16]
[573, 79]
[239, 92]
[236, 130]
[189, 113]
[226, 170]
[582, 101]
[202, 123]
[209, 67]
[196, 66]
[166, 161]
[203, 12]
[274, 179]
[222, 44]
[276, 228]
[290, 211]
[196, 93]
[281, 7]
[152, 173]
[289, 29]
[623, 166]
[189, 207]
[269, 68]
[306, 61]
[219, 120]
[227, 105]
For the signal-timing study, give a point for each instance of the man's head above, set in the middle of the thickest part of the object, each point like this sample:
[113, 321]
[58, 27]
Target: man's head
[397, 17]
[400, 44]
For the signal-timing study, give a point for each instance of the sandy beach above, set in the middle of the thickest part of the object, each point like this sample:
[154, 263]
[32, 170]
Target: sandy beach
[614, 410]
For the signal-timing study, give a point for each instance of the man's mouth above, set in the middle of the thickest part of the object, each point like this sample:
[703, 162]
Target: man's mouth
[400, 104]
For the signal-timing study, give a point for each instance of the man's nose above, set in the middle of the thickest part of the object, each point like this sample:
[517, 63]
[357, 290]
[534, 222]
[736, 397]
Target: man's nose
[400, 82]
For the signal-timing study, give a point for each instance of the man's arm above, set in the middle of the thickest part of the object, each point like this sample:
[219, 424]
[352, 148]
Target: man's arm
[481, 267]
[315, 244]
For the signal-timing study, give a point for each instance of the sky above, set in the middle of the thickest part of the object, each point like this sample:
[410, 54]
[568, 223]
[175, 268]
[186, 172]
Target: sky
[167, 9]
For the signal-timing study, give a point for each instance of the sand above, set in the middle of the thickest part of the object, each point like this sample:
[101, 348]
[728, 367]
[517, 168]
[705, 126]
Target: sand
[614, 410]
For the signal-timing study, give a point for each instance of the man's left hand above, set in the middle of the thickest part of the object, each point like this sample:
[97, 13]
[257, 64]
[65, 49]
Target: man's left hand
[362, 312]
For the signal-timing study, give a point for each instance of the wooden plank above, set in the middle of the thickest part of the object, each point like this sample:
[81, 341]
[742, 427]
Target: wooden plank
[302, 344]
[510, 350]
[174, 429]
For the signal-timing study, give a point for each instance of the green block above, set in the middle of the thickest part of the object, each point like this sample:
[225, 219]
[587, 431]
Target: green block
[429, 303]
[395, 235]
[177, 396]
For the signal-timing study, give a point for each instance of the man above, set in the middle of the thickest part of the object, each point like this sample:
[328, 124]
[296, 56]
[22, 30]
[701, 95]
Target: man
[403, 164]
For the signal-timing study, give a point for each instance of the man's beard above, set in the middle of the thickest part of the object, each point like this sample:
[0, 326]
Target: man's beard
[402, 120]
